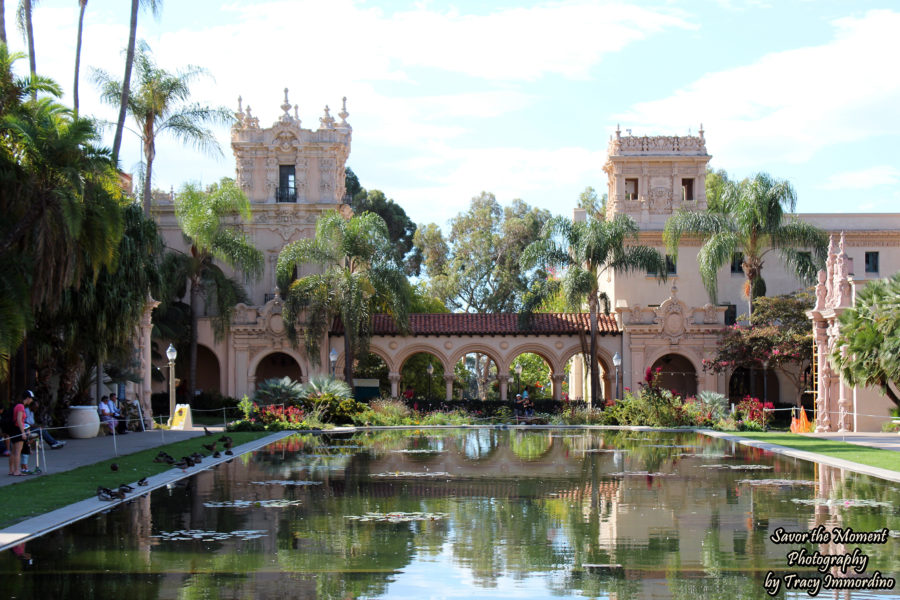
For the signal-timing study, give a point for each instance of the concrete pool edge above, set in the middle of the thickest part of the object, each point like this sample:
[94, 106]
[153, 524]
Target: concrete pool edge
[50, 521]
[806, 455]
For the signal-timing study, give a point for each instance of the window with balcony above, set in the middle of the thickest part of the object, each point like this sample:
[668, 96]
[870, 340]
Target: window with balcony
[286, 190]
[687, 189]
[631, 189]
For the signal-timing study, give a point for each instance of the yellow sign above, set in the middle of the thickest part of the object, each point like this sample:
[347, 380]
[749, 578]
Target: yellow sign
[182, 417]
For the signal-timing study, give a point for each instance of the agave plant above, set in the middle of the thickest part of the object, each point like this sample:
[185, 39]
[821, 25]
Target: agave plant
[278, 391]
[320, 386]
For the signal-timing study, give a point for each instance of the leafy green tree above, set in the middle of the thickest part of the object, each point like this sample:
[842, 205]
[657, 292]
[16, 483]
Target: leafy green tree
[750, 219]
[2, 22]
[867, 352]
[592, 203]
[159, 105]
[125, 93]
[586, 252]
[58, 192]
[780, 338]
[476, 269]
[211, 221]
[720, 191]
[357, 274]
[401, 228]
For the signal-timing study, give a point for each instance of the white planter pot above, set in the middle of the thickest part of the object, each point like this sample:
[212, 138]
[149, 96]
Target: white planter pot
[84, 422]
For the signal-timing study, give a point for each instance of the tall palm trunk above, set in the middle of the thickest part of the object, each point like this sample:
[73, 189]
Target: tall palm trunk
[595, 371]
[2, 22]
[126, 84]
[83, 4]
[29, 34]
[149, 155]
[348, 359]
[192, 377]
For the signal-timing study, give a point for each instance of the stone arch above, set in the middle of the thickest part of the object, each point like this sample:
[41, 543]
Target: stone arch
[209, 370]
[550, 356]
[606, 377]
[253, 371]
[492, 354]
[414, 349]
[679, 373]
[373, 349]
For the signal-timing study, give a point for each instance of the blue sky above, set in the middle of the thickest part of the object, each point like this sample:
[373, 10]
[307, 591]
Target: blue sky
[519, 99]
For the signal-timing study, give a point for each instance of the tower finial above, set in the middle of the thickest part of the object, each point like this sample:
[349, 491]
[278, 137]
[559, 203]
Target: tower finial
[296, 114]
[240, 101]
[286, 107]
[344, 114]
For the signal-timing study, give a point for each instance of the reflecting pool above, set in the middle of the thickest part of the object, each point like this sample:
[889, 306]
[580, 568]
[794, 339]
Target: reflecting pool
[477, 513]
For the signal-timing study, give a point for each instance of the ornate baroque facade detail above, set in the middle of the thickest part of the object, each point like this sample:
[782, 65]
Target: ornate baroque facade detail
[834, 294]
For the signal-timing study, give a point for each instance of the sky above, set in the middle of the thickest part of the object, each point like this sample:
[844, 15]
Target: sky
[449, 99]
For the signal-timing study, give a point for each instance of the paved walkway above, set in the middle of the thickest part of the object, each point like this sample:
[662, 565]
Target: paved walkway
[78, 453]
[885, 441]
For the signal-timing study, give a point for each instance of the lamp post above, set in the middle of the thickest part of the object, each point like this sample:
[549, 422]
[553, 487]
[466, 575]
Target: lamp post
[332, 356]
[518, 375]
[765, 381]
[617, 363]
[171, 354]
[430, 370]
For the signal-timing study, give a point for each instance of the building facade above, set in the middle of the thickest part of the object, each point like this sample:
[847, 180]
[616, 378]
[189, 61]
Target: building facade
[293, 174]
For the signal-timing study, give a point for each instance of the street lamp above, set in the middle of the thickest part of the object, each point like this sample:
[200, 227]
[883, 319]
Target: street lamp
[765, 381]
[518, 375]
[332, 356]
[617, 363]
[171, 354]
[430, 370]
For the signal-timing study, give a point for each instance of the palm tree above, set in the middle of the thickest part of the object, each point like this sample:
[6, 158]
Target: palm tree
[358, 276]
[587, 251]
[211, 222]
[751, 220]
[2, 22]
[155, 6]
[159, 105]
[58, 192]
[23, 18]
[868, 350]
[82, 5]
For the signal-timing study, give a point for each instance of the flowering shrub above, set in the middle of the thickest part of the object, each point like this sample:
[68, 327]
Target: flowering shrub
[752, 413]
[285, 415]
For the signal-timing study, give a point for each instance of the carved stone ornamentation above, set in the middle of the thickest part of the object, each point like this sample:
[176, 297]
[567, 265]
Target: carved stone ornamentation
[671, 318]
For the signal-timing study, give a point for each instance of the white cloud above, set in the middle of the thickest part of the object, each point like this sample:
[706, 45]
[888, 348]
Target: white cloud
[788, 105]
[863, 179]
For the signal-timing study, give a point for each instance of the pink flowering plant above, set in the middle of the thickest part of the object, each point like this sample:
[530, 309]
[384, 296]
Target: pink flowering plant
[754, 414]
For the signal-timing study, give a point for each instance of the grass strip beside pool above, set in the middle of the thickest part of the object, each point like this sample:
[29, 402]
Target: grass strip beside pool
[864, 455]
[44, 493]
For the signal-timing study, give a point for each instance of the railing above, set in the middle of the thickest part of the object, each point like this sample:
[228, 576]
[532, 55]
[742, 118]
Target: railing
[285, 194]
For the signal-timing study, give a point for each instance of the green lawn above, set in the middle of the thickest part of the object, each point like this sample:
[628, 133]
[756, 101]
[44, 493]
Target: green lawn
[872, 457]
[49, 492]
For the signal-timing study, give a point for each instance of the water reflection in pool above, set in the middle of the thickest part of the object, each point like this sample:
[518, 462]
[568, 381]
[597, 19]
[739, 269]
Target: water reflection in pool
[467, 513]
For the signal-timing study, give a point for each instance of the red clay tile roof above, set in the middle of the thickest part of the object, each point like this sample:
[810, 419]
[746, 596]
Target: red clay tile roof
[490, 324]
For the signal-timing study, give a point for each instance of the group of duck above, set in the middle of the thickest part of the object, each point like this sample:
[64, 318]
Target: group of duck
[195, 458]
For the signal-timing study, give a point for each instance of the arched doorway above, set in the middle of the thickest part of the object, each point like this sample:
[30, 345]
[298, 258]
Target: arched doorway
[530, 372]
[476, 377]
[676, 373]
[277, 365]
[416, 383]
[208, 374]
[758, 383]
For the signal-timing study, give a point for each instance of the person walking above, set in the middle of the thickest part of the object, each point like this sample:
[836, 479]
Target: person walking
[16, 429]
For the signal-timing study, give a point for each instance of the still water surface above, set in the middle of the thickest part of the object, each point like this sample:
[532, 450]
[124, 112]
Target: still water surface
[484, 513]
